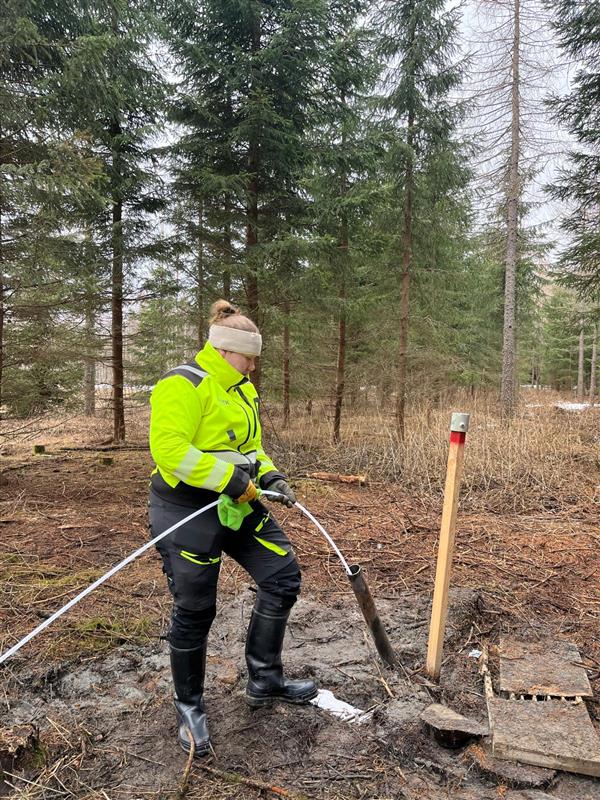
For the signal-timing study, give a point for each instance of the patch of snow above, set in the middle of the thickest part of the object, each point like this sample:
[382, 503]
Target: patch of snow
[344, 711]
[572, 406]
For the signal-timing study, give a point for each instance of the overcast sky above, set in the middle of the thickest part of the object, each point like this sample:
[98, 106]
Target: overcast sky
[487, 29]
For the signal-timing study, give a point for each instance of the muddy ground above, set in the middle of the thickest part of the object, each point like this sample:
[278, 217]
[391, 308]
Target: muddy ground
[86, 707]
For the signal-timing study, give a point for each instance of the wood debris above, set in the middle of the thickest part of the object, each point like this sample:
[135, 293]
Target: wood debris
[545, 668]
[361, 480]
[449, 728]
[554, 734]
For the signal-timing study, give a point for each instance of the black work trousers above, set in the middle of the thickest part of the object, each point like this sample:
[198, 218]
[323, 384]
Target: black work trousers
[192, 559]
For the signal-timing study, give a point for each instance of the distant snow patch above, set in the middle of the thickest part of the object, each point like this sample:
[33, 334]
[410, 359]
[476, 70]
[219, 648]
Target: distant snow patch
[573, 406]
[344, 711]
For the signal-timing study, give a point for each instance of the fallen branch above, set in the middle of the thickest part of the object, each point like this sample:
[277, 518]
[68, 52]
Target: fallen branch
[235, 777]
[361, 480]
[101, 448]
[33, 463]
[183, 786]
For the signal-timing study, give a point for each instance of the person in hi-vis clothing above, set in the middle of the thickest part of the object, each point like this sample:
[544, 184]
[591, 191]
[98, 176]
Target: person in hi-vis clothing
[205, 439]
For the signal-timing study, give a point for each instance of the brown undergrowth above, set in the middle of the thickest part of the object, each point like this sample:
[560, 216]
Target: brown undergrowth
[529, 544]
[527, 538]
[546, 457]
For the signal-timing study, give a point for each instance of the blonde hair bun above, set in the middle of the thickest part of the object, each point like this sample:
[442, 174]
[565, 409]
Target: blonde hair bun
[225, 314]
[221, 309]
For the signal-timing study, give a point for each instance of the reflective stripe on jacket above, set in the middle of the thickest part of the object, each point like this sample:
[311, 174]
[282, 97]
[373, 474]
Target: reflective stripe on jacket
[205, 427]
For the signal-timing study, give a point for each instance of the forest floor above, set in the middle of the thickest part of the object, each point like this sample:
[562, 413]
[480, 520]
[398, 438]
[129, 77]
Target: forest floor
[86, 707]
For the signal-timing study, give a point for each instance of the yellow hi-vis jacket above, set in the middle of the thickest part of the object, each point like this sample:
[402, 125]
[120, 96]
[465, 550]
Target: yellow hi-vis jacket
[205, 427]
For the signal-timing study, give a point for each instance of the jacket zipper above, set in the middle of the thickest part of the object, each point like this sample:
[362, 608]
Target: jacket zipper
[249, 404]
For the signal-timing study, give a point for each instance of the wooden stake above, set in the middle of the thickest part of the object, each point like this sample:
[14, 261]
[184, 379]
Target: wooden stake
[459, 426]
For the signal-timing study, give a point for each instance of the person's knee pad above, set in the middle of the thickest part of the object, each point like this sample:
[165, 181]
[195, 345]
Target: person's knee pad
[190, 628]
[281, 589]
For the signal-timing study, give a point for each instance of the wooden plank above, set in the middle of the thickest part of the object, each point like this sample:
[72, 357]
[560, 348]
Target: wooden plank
[547, 667]
[553, 734]
[478, 757]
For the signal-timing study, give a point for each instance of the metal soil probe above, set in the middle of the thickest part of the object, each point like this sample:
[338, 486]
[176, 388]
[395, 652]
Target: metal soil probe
[363, 594]
[367, 606]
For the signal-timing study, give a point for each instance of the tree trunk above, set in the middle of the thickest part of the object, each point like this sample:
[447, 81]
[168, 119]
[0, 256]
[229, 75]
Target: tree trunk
[252, 298]
[117, 271]
[2, 296]
[593, 365]
[286, 363]
[89, 381]
[340, 376]
[117, 291]
[228, 254]
[117, 321]
[404, 300]
[508, 388]
[200, 322]
[580, 365]
[2, 306]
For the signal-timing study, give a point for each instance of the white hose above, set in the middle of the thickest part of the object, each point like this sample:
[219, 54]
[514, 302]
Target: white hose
[12, 650]
[307, 513]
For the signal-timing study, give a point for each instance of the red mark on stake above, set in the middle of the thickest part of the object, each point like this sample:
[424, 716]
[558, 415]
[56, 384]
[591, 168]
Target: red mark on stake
[457, 437]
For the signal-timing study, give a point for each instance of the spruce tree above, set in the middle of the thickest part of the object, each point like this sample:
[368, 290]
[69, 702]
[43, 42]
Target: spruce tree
[419, 42]
[347, 143]
[578, 29]
[48, 177]
[112, 91]
[244, 100]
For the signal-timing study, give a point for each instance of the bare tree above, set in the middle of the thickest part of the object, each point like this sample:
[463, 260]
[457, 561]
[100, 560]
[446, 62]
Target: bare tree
[593, 365]
[513, 65]
[509, 343]
[580, 364]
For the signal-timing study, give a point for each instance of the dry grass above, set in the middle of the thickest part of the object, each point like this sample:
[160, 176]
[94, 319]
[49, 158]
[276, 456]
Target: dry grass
[543, 456]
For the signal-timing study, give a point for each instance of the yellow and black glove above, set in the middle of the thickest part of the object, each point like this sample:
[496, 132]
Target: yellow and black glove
[250, 493]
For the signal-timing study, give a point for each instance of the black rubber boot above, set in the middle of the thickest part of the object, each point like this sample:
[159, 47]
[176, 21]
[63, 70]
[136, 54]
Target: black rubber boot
[263, 657]
[188, 669]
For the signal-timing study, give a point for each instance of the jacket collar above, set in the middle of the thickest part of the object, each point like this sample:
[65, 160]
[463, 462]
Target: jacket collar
[212, 361]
